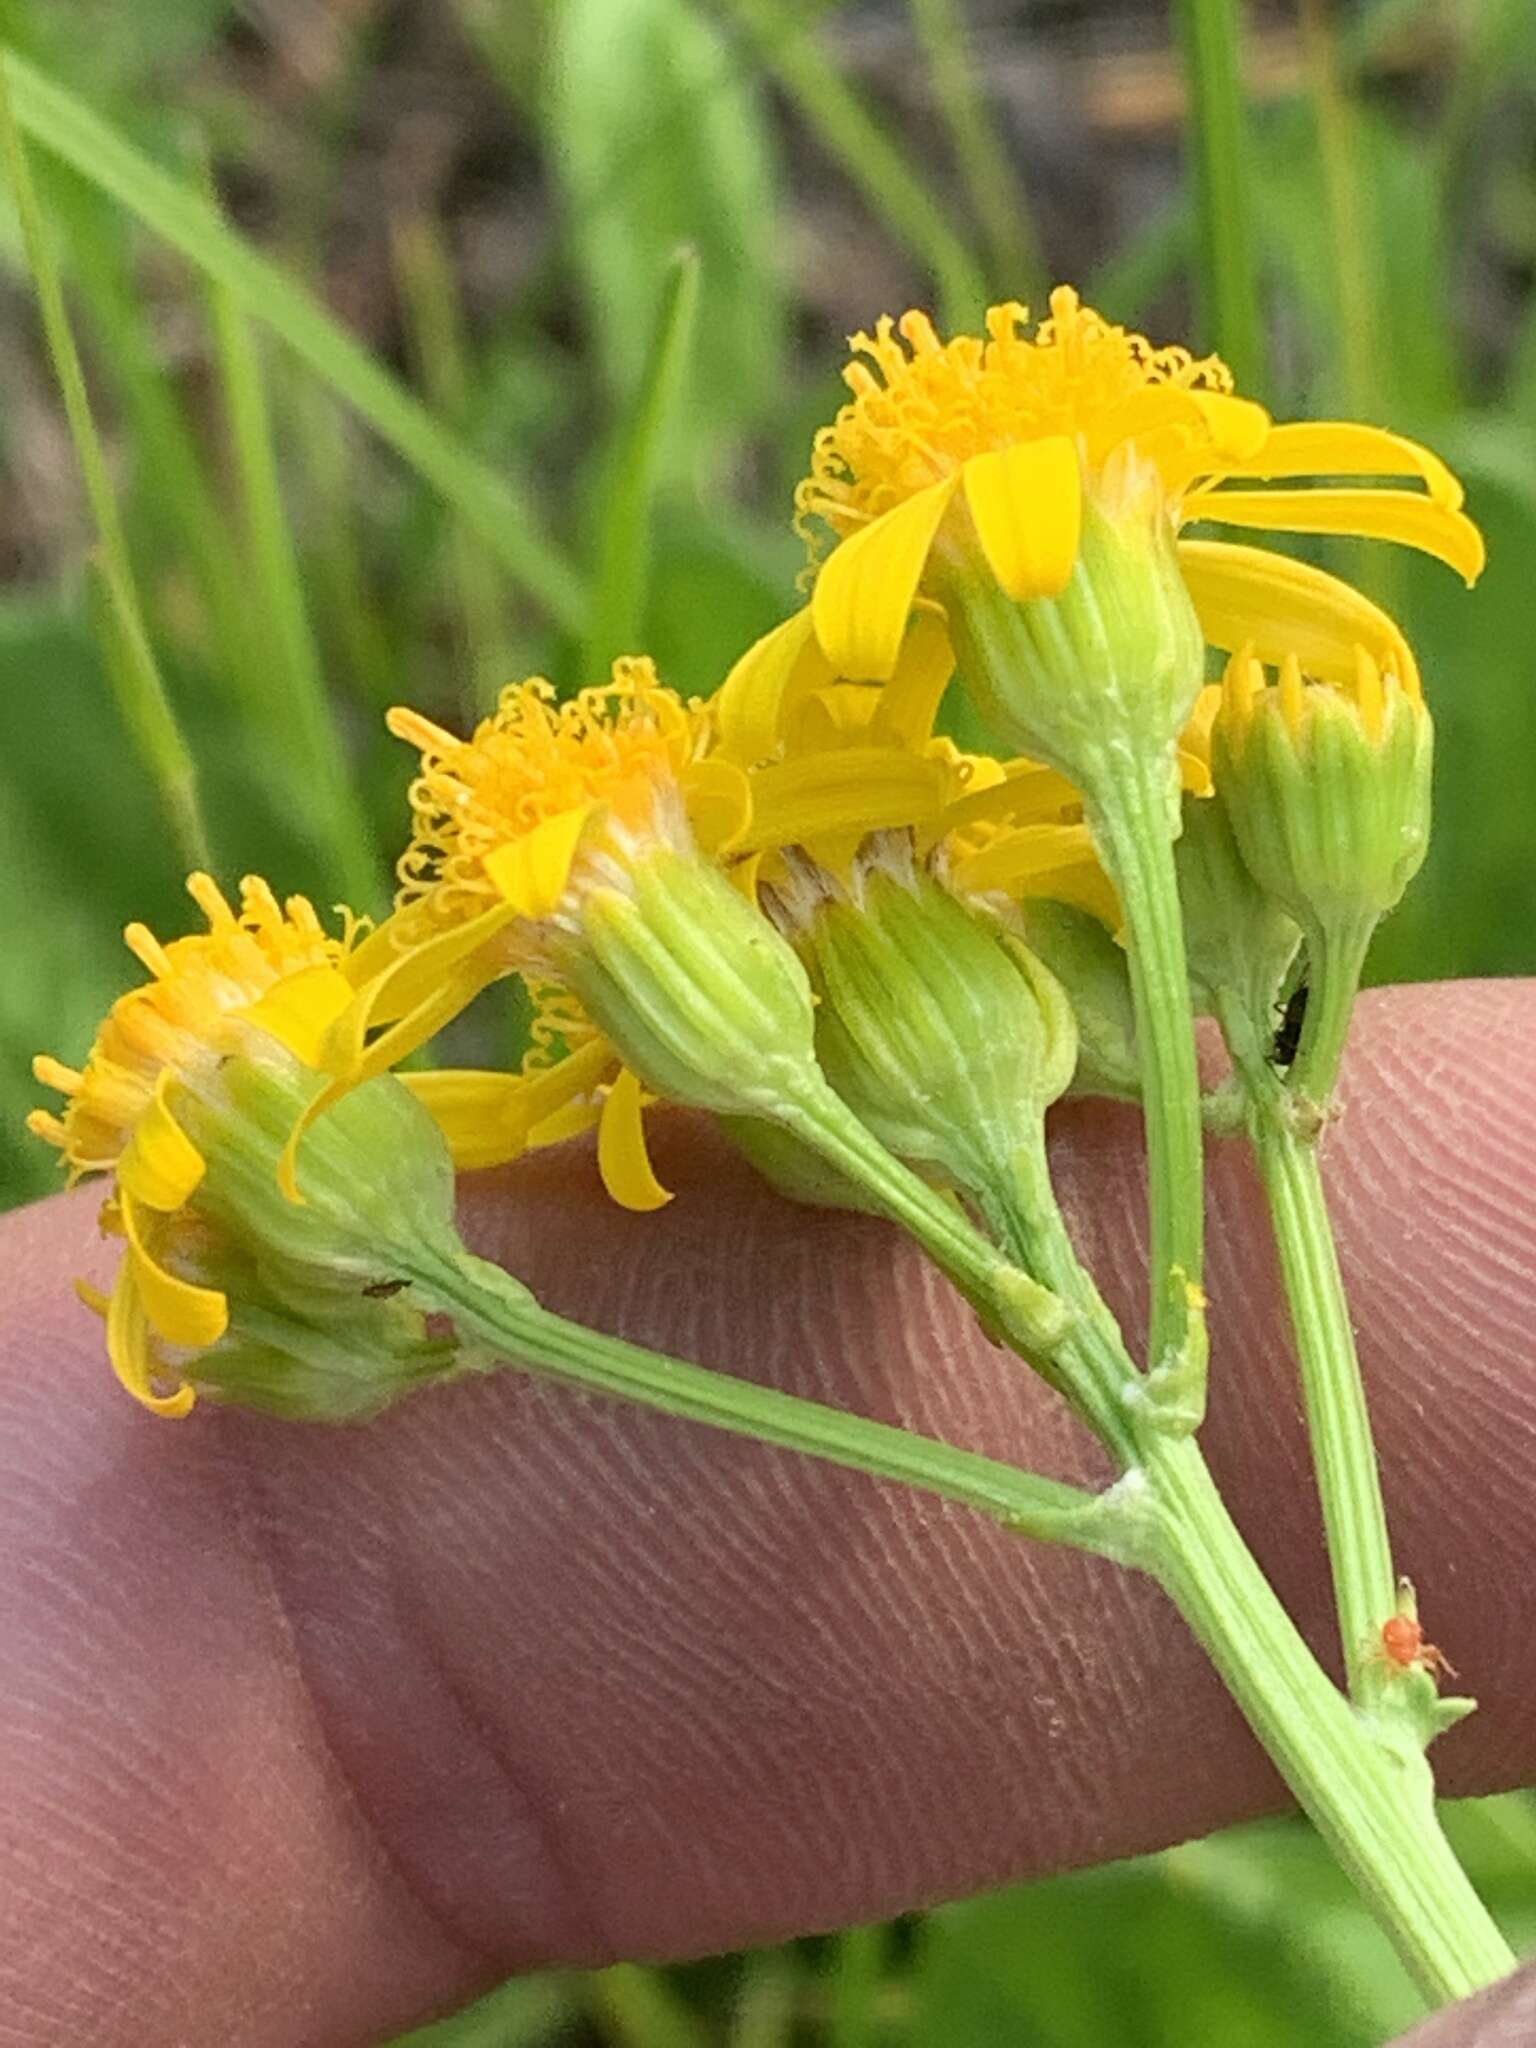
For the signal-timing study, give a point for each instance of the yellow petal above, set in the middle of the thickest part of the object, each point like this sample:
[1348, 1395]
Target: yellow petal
[403, 978]
[1185, 433]
[488, 1118]
[1012, 857]
[622, 1158]
[160, 1166]
[351, 1062]
[1027, 792]
[867, 586]
[864, 789]
[743, 876]
[1348, 448]
[837, 715]
[1056, 862]
[1195, 767]
[93, 1298]
[1281, 606]
[1409, 517]
[301, 1008]
[1026, 503]
[1195, 740]
[569, 1122]
[718, 798]
[1238, 428]
[179, 1311]
[909, 703]
[131, 1350]
[764, 687]
[532, 872]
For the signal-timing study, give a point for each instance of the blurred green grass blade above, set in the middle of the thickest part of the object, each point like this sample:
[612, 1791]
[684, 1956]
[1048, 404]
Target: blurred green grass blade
[621, 566]
[63, 124]
[857, 1974]
[135, 677]
[764, 2015]
[876, 164]
[300, 725]
[141, 692]
[640, 2009]
[1210, 34]
[355, 626]
[1017, 269]
[1349, 228]
[529, 2012]
[661, 139]
[173, 505]
[429, 294]
[1125, 284]
[170, 506]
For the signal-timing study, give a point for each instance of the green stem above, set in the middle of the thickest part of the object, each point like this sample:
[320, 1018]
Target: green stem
[1093, 1368]
[1335, 958]
[1370, 1798]
[488, 1304]
[1133, 823]
[1030, 1316]
[1338, 1421]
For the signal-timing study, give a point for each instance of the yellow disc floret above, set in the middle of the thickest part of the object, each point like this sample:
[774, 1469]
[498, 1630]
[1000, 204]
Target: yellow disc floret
[533, 776]
[265, 967]
[922, 408]
[1026, 488]
[178, 1021]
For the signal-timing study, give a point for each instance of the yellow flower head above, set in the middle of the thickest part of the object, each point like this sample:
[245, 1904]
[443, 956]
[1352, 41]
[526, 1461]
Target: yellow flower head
[1077, 389]
[509, 827]
[499, 818]
[995, 461]
[266, 968]
[546, 803]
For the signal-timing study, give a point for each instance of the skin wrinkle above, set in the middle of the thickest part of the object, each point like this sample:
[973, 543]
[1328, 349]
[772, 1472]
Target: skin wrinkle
[354, 1786]
[571, 1562]
[468, 1841]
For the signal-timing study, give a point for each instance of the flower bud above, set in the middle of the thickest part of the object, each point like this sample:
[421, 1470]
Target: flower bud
[945, 1036]
[691, 984]
[1238, 940]
[1327, 789]
[1084, 957]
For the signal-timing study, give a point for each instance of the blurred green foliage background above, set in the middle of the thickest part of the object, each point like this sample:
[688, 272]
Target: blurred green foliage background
[392, 382]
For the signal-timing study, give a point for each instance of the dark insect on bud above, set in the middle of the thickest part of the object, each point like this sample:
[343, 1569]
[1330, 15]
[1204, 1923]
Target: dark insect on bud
[1294, 1016]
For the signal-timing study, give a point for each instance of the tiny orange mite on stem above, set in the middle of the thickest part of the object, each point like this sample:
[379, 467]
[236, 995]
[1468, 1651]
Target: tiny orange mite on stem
[1403, 1645]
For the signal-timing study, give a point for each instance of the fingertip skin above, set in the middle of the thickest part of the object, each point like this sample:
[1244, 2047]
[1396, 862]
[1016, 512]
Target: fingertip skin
[315, 1731]
[1504, 2017]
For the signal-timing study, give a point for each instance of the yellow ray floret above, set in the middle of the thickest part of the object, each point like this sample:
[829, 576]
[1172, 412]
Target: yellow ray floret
[263, 965]
[975, 456]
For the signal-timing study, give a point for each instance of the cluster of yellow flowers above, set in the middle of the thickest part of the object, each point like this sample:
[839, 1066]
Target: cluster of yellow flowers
[1010, 504]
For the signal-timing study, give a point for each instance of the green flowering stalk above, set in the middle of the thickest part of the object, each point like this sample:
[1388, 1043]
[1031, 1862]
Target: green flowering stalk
[883, 1040]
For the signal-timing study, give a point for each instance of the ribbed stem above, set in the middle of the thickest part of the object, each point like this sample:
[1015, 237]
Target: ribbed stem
[1372, 1801]
[1130, 816]
[487, 1304]
[1338, 1421]
[1335, 959]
